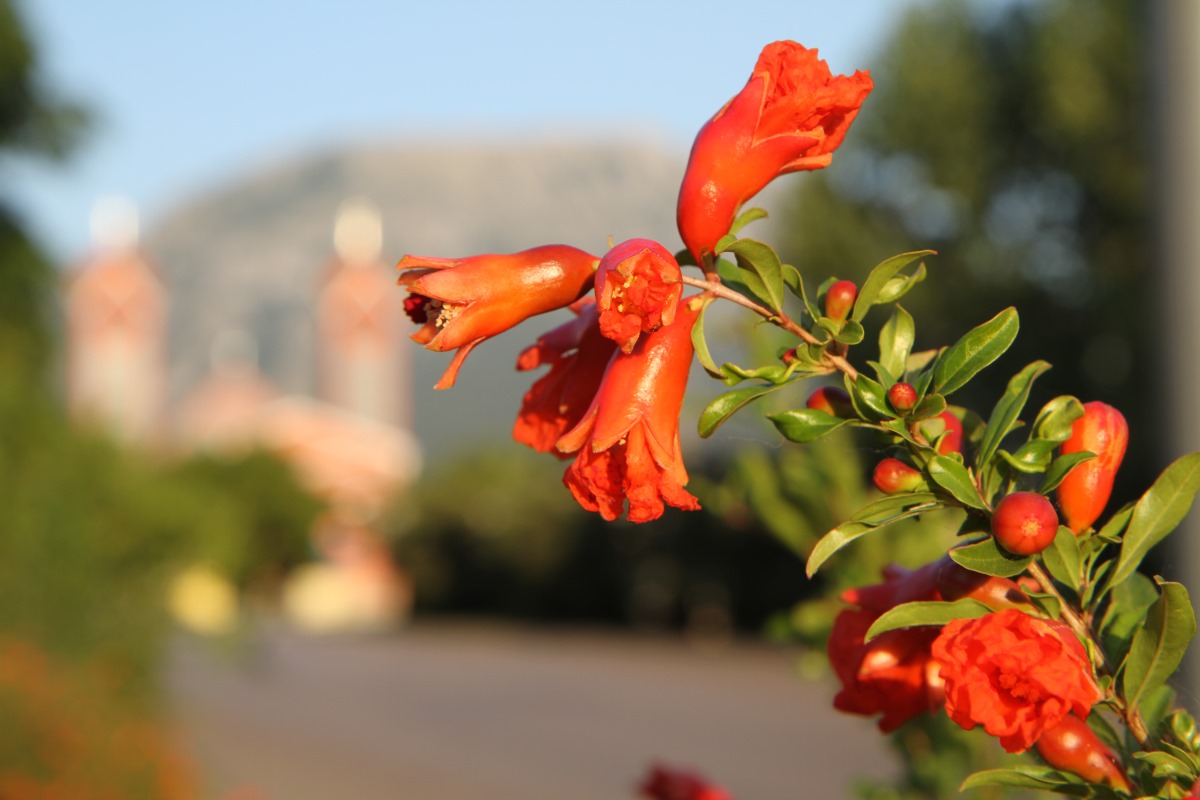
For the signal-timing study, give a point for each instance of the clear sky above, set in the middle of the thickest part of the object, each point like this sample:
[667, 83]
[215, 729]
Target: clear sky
[187, 95]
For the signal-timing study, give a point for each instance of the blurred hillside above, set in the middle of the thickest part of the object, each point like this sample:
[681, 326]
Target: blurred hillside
[249, 256]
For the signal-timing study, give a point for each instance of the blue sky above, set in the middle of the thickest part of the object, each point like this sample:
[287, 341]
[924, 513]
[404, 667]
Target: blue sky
[186, 96]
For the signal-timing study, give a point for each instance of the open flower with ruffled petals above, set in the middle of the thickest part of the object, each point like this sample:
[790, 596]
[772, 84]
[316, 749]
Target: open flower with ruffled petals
[1014, 674]
[791, 115]
[638, 286]
[577, 354]
[627, 444]
[459, 302]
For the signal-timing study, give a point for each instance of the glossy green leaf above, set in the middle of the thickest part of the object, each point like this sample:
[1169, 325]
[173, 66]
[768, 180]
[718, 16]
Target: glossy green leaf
[928, 406]
[1055, 420]
[900, 285]
[725, 405]
[1046, 779]
[926, 612]
[1031, 458]
[850, 333]
[896, 339]
[746, 217]
[1158, 512]
[1008, 409]
[1165, 765]
[759, 259]
[974, 351]
[742, 281]
[1125, 614]
[988, 558]
[872, 517]
[805, 425]
[882, 374]
[868, 293]
[1060, 467]
[700, 345]
[1063, 559]
[1114, 529]
[869, 398]
[954, 478]
[1159, 645]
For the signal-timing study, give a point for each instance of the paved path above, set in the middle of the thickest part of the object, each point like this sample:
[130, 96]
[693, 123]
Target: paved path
[460, 712]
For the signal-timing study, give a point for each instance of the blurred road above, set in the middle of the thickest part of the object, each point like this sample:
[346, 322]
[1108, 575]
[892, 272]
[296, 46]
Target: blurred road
[468, 712]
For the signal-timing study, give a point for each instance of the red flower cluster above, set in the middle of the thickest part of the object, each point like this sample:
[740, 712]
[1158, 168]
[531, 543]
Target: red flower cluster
[894, 673]
[618, 370]
[1016, 675]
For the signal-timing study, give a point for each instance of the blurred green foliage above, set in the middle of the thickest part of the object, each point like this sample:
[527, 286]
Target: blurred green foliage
[1014, 141]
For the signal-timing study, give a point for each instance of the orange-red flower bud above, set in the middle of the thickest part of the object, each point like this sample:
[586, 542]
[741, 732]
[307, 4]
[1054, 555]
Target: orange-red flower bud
[892, 476]
[578, 355]
[1024, 523]
[459, 302]
[628, 441]
[791, 115]
[1084, 493]
[902, 396]
[638, 286]
[1071, 746]
[839, 299]
[832, 401]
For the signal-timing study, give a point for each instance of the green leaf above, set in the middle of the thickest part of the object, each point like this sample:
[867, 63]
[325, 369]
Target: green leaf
[926, 612]
[1125, 614]
[1027, 777]
[732, 374]
[878, 278]
[1063, 559]
[1114, 529]
[805, 425]
[974, 351]
[900, 285]
[872, 517]
[954, 478]
[1032, 457]
[1159, 645]
[1060, 467]
[726, 404]
[1056, 419]
[928, 406]
[988, 558]
[742, 281]
[869, 398]
[1165, 765]
[1008, 409]
[746, 217]
[896, 340]
[1157, 512]
[760, 260]
[700, 345]
[849, 332]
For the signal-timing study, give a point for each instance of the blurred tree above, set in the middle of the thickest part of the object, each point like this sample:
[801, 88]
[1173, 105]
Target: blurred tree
[1013, 141]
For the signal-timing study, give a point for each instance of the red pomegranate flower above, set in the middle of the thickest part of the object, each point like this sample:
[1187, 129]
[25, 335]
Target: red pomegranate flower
[577, 354]
[1014, 674]
[791, 115]
[459, 302]
[638, 286]
[627, 443]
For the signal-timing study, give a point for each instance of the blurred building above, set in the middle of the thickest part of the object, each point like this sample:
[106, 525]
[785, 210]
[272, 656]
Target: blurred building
[350, 441]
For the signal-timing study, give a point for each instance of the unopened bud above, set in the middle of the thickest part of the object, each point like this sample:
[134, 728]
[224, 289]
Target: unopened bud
[1071, 746]
[902, 396]
[893, 476]
[1084, 493]
[1024, 523]
[839, 299]
[831, 400]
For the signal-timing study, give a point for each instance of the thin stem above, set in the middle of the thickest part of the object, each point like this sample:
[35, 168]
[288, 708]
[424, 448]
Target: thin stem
[1133, 717]
[718, 289]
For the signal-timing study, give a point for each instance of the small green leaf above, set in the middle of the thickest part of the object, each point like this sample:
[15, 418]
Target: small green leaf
[900, 285]
[742, 281]
[746, 217]
[1114, 529]
[1032, 457]
[974, 351]
[896, 340]
[869, 398]
[872, 517]
[1056, 419]
[1027, 777]
[760, 260]
[700, 345]
[1060, 467]
[1125, 614]
[1008, 409]
[988, 558]
[885, 377]
[878, 278]
[1165, 765]
[805, 425]
[724, 406]
[1063, 559]
[1157, 512]
[928, 406]
[926, 612]
[1158, 646]
[954, 478]
[850, 332]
